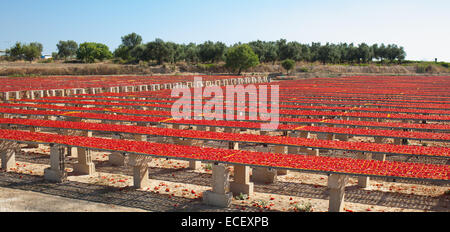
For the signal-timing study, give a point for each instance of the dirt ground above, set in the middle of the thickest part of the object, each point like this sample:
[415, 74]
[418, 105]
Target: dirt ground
[175, 188]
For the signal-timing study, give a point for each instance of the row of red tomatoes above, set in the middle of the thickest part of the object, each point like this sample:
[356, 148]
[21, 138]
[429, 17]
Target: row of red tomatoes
[281, 112]
[298, 162]
[281, 106]
[159, 116]
[209, 135]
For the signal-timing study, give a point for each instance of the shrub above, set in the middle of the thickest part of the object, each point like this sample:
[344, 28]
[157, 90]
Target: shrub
[262, 203]
[304, 69]
[304, 207]
[288, 65]
[208, 167]
[241, 196]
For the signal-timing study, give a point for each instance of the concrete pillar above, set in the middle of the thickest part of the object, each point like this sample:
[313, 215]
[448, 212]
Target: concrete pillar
[72, 152]
[336, 185]
[117, 158]
[220, 194]
[379, 157]
[233, 145]
[8, 159]
[56, 172]
[341, 137]
[85, 166]
[139, 137]
[309, 151]
[195, 165]
[323, 136]
[378, 139]
[292, 149]
[241, 183]
[140, 170]
[229, 130]
[363, 181]
[281, 150]
[264, 175]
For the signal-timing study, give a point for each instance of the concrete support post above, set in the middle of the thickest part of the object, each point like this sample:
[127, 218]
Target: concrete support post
[56, 172]
[140, 170]
[379, 157]
[341, 137]
[241, 183]
[309, 151]
[220, 194]
[8, 159]
[291, 149]
[72, 152]
[264, 175]
[117, 158]
[85, 166]
[233, 145]
[281, 150]
[336, 185]
[139, 137]
[363, 181]
[378, 139]
[228, 130]
[195, 165]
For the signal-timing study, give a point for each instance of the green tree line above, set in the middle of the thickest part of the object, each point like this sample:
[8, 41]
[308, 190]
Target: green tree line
[134, 50]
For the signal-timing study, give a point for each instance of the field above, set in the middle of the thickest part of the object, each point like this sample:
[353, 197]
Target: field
[347, 144]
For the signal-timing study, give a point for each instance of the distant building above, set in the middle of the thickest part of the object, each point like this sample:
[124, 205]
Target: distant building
[46, 57]
[2, 52]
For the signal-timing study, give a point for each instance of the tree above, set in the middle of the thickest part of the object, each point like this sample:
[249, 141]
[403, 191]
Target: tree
[160, 51]
[288, 64]
[394, 52]
[27, 52]
[131, 40]
[314, 52]
[266, 51]
[365, 53]
[240, 58]
[88, 52]
[124, 53]
[15, 52]
[138, 53]
[329, 53]
[32, 51]
[67, 49]
[191, 53]
[212, 52]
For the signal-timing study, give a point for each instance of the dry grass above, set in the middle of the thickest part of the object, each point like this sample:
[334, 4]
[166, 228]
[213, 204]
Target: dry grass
[108, 68]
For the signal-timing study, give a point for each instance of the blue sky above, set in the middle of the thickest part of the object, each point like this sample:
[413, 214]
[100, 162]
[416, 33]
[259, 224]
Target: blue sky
[422, 27]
